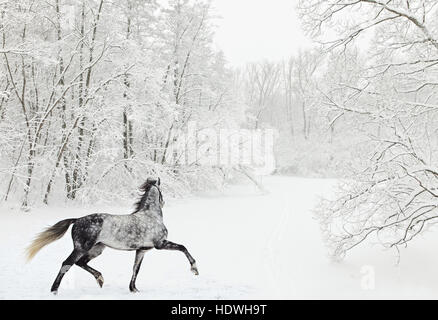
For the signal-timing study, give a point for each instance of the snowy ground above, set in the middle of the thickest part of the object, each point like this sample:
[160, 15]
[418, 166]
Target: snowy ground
[248, 246]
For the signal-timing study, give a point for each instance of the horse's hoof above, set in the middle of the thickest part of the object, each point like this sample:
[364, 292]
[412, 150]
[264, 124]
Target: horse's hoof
[100, 281]
[134, 290]
[55, 292]
[195, 271]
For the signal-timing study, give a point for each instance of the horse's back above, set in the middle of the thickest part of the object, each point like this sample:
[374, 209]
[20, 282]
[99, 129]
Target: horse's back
[131, 232]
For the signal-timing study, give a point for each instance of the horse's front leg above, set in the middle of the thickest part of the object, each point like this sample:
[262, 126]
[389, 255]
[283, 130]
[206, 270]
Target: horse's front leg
[167, 245]
[139, 255]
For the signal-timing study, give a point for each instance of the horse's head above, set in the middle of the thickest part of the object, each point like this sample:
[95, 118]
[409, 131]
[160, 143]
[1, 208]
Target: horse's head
[152, 196]
[153, 188]
[156, 182]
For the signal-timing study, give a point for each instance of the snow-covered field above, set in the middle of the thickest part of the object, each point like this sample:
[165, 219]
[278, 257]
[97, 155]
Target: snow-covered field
[247, 245]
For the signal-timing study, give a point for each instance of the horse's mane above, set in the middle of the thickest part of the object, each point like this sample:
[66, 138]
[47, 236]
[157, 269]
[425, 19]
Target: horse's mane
[145, 188]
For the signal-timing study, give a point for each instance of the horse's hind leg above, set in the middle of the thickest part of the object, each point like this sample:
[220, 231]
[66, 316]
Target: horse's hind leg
[93, 253]
[167, 245]
[74, 257]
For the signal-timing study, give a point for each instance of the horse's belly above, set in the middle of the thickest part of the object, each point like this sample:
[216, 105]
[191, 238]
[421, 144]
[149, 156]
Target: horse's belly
[111, 243]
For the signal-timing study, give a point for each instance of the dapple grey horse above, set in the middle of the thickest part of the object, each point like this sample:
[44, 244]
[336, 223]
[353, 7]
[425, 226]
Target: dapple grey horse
[141, 231]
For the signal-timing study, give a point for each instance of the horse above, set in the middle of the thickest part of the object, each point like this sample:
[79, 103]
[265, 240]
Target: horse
[141, 231]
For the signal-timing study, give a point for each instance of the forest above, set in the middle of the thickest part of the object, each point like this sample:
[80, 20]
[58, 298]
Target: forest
[95, 95]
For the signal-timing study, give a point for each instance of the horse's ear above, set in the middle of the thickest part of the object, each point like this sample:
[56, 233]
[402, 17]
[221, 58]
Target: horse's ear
[159, 181]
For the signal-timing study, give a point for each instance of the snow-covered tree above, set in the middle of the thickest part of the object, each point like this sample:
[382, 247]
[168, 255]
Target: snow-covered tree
[387, 96]
[93, 94]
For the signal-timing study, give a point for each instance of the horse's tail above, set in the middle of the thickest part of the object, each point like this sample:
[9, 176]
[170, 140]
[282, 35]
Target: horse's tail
[48, 236]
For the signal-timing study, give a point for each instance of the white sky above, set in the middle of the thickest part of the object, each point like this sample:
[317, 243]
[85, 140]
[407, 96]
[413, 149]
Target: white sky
[252, 30]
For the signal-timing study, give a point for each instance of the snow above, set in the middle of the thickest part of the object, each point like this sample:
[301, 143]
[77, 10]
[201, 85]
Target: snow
[247, 245]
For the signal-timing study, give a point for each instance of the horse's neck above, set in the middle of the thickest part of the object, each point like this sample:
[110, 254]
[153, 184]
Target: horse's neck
[153, 199]
[151, 209]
